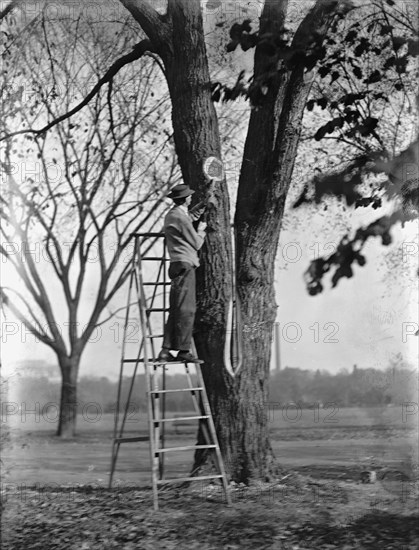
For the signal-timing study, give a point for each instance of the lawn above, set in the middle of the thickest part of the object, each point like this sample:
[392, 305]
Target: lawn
[55, 491]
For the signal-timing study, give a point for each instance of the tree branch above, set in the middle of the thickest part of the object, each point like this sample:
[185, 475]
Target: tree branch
[153, 24]
[138, 51]
[16, 312]
[11, 6]
[317, 19]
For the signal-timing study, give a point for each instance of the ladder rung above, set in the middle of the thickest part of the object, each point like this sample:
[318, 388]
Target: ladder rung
[180, 390]
[179, 418]
[182, 479]
[147, 235]
[154, 335]
[131, 439]
[155, 258]
[156, 284]
[187, 448]
[158, 363]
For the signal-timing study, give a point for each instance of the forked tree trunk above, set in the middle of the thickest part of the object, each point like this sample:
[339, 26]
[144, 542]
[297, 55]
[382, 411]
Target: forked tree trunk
[238, 404]
[68, 404]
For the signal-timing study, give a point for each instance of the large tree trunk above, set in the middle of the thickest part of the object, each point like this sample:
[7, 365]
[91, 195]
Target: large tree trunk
[68, 405]
[196, 136]
[238, 404]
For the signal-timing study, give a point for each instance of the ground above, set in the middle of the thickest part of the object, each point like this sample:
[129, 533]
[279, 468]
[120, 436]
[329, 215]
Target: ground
[55, 492]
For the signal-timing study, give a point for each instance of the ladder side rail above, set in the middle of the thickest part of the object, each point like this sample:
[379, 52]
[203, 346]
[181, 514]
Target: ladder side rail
[199, 409]
[157, 400]
[152, 300]
[137, 361]
[158, 426]
[130, 390]
[150, 400]
[213, 433]
[163, 429]
[115, 446]
[163, 321]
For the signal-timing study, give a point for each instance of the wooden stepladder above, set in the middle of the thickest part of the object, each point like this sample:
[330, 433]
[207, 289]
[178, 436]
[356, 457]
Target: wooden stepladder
[148, 305]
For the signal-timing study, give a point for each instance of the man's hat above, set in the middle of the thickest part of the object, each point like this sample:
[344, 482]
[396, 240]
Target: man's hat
[180, 191]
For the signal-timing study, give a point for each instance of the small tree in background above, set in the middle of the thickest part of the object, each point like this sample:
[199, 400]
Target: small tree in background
[73, 196]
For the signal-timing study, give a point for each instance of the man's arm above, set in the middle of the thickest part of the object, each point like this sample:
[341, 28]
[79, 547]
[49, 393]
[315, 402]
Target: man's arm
[194, 238]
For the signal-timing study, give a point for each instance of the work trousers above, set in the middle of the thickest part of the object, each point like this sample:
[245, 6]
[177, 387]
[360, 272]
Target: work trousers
[182, 307]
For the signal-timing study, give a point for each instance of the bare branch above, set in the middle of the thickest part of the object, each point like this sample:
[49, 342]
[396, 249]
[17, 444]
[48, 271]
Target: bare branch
[11, 6]
[17, 313]
[137, 52]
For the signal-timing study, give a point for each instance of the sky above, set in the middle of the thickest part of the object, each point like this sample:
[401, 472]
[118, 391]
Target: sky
[364, 320]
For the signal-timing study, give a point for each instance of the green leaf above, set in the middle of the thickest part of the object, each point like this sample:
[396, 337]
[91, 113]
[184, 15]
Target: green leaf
[398, 42]
[324, 71]
[376, 76]
[358, 72]
[322, 102]
[363, 47]
[386, 29]
[389, 63]
[350, 37]
[413, 47]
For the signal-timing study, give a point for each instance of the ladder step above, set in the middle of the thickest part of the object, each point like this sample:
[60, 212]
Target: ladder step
[180, 390]
[175, 361]
[131, 439]
[187, 448]
[182, 479]
[157, 284]
[180, 418]
[156, 258]
[154, 335]
[156, 362]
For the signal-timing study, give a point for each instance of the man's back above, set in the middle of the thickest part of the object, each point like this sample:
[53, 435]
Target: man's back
[183, 242]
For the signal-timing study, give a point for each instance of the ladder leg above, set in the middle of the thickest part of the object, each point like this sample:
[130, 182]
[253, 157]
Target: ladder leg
[153, 406]
[162, 434]
[200, 411]
[213, 433]
[115, 446]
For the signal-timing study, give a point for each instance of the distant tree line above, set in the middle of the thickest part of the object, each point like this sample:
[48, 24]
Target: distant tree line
[366, 387]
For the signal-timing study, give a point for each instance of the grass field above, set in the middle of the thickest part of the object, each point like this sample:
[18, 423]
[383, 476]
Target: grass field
[55, 494]
[331, 439]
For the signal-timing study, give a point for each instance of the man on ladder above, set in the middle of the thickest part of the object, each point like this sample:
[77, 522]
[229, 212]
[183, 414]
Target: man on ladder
[183, 243]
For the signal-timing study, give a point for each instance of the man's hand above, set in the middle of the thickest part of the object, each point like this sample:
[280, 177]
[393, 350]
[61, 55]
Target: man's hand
[202, 227]
[197, 211]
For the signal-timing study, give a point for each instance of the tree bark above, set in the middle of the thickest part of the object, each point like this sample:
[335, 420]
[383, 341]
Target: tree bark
[68, 405]
[196, 136]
